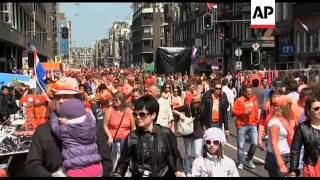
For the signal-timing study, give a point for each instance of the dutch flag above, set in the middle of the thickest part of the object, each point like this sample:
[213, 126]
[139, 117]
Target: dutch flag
[40, 72]
[305, 27]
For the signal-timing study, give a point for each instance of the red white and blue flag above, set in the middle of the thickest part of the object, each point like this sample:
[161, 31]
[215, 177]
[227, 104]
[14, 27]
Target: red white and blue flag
[306, 28]
[195, 54]
[212, 6]
[40, 72]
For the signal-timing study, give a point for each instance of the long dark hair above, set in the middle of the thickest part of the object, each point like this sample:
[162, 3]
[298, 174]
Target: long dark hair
[307, 108]
[219, 153]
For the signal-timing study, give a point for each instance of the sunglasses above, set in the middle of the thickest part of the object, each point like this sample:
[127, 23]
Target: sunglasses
[215, 142]
[140, 114]
[316, 108]
[217, 88]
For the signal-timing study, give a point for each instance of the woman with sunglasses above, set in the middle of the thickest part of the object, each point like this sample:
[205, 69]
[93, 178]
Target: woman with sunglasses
[150, 149]
[213, 163]
[308, 135]
[176, 98]
[166, 92]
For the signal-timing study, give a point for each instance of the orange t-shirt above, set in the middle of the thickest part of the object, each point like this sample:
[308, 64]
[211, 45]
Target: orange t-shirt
[176, 102]
[114, 121]
[249, 105]
[189, 97]
[215, 109]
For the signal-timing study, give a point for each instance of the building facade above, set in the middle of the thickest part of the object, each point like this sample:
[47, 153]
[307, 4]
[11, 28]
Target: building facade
[100, 53]
[64, 41]
[217, 45]
[22, 25]
[147, 31]
[82, 57]
[52, 30]
[118, 34]
[295, 47]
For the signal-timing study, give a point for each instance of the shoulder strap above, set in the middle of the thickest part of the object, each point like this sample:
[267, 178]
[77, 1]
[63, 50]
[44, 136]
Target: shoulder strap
[289, 129]
[120, 123]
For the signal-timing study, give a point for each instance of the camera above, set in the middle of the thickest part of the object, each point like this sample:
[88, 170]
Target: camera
[144, 173]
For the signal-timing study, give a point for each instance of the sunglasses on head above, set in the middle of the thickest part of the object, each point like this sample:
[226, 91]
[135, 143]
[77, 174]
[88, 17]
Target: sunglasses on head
[140, 114]
[316, 108]
[215, 142]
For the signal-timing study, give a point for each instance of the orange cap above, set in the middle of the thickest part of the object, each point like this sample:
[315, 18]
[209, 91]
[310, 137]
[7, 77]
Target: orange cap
[281, 100]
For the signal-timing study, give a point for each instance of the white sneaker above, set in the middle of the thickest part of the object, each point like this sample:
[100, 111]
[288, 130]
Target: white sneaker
[240, 166]
[250, 164]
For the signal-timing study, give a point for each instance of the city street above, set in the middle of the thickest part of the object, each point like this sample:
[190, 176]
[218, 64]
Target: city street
[78, 69]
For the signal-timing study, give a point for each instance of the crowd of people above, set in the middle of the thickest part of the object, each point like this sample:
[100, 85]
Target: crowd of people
[124, 122]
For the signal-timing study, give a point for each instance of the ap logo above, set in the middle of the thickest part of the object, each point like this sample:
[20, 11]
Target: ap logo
[262, 14]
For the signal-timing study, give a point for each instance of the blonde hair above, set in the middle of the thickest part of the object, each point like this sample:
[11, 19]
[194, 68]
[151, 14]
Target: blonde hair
[284, 111]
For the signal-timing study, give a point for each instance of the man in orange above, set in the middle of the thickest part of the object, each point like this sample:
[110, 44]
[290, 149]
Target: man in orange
[246, 110]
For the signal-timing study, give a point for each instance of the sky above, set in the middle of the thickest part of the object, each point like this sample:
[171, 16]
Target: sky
[91, 21]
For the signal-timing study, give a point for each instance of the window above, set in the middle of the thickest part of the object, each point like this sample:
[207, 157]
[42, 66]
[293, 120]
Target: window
[306, 42]
[5, 13]
[285, 11]
[314, 42]
[309, 43]
[146, 29]
[146, 43]
[147, 16]
[317, 41]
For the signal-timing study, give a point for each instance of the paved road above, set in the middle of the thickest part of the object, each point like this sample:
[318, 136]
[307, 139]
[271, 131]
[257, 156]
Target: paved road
[230, 151]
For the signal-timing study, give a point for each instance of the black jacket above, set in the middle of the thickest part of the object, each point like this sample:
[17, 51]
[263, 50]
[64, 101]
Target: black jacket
[4, 106]
[308, 136]
[139, 148]
[45, 157]
[97, 111]
[206, 109]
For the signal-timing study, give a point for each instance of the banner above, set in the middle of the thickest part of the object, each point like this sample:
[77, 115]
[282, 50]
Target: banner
[7, 78]
[172, 60]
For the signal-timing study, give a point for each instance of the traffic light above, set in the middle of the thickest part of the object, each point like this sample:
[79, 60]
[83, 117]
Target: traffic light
[255, 57]
[207, 21]
[64, 31]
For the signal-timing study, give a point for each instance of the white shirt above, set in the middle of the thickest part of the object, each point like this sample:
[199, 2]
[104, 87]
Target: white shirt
[293, 95]
[165, 112]
[230, 96]
[210, 166]
[283, 145]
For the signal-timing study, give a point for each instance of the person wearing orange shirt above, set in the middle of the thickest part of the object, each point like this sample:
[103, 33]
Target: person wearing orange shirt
[245, 109]
[118, 123]
[215, 104]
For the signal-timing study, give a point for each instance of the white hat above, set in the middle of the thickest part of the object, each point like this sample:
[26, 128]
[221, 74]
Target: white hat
[215, 134]
[67, 85]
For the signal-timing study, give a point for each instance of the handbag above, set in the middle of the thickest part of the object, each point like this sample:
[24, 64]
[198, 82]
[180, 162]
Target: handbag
[185, 127]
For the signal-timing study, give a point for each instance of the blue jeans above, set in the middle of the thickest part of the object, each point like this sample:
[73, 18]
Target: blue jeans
[116, 151]
[271, 164]
[252, 132]
[193, 149]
